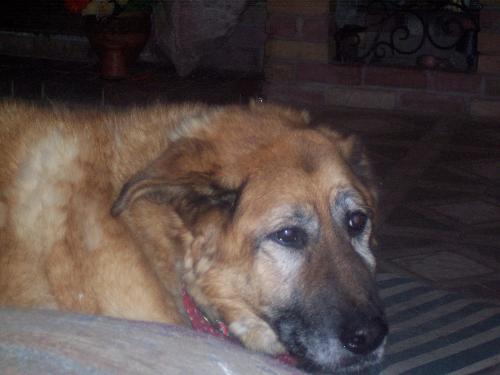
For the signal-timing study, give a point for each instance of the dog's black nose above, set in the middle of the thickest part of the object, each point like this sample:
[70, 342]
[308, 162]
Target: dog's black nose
[362, 336]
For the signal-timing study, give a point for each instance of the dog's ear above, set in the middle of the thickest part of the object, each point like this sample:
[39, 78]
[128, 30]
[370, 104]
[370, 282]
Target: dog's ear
[354, 153]
[187, 176]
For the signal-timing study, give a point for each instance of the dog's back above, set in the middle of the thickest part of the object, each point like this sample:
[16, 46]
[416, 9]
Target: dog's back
[34, 165]
[60, 170]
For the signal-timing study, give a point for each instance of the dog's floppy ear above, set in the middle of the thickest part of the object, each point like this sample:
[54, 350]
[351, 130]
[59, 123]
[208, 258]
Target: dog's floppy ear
[186, 176]
[354, 153]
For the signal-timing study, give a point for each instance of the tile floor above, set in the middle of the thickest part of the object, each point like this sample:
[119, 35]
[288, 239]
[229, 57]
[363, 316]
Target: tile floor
[439, 175]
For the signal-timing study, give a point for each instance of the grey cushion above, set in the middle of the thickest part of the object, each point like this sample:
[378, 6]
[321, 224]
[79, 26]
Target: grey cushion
[53, 342]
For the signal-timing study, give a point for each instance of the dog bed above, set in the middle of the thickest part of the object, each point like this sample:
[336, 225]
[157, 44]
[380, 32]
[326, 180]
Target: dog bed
[433, 332]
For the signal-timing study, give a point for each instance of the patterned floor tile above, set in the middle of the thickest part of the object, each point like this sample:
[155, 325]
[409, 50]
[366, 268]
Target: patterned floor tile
[468, 138]
[493, 192]
[428, 193]
[479, 239]
[447, 174]
[473, 212]
[380, 169]
[478, 290]
[494, 286]
[491, 228]
[388, 151]
[396, 245]
[405, 217]
[484, 254]
[442, 265]
[486, 169]
[415, 248]
[401, 136]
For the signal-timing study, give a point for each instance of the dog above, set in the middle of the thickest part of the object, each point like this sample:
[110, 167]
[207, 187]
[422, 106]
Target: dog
[265, 221]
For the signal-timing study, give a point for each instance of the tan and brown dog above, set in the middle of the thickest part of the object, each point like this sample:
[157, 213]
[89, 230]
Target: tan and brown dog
[265, 221]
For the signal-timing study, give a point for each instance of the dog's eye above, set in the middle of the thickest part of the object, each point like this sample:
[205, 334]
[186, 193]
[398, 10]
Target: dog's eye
[356, 222]
[290, 237]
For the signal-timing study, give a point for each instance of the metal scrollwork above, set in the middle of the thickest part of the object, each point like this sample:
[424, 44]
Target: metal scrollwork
[431, 34]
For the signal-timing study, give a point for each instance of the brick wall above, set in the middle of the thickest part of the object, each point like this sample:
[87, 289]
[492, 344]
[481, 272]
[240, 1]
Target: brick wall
[297, 69]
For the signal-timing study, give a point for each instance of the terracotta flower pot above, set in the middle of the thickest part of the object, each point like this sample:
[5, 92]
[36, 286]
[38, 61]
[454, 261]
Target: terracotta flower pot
[118, 41]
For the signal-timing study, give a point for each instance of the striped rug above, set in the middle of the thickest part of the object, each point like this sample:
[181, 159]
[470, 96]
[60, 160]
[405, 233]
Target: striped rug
[435, 332]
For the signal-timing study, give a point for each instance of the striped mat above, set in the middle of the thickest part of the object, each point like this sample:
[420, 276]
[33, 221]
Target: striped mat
[435, 332]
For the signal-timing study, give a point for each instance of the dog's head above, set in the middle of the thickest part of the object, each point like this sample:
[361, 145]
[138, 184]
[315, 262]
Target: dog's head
[282, 217]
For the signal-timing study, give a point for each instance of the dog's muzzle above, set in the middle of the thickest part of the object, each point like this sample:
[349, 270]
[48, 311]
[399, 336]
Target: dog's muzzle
[363, 334]
[330, 341]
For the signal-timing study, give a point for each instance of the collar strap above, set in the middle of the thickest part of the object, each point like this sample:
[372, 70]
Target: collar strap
[200, 322]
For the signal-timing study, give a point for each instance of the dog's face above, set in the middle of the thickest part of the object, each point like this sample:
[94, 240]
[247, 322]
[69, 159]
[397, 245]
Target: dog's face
[282, 218]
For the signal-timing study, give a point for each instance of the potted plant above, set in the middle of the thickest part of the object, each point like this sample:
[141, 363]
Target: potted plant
[117, 30]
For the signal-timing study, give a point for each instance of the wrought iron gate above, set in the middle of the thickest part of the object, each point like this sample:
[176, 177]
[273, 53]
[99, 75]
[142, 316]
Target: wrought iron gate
[440, 34]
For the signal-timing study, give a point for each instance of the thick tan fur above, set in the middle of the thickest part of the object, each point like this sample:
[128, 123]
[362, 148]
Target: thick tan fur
[113, 213]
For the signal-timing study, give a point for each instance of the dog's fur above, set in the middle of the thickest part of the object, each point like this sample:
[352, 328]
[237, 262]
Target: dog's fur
[114, 213]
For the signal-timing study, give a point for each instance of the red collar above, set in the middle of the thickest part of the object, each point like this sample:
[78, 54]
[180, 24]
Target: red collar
[199, 322]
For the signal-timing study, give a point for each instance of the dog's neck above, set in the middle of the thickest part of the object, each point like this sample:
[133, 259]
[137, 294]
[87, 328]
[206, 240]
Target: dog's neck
[199, 322]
